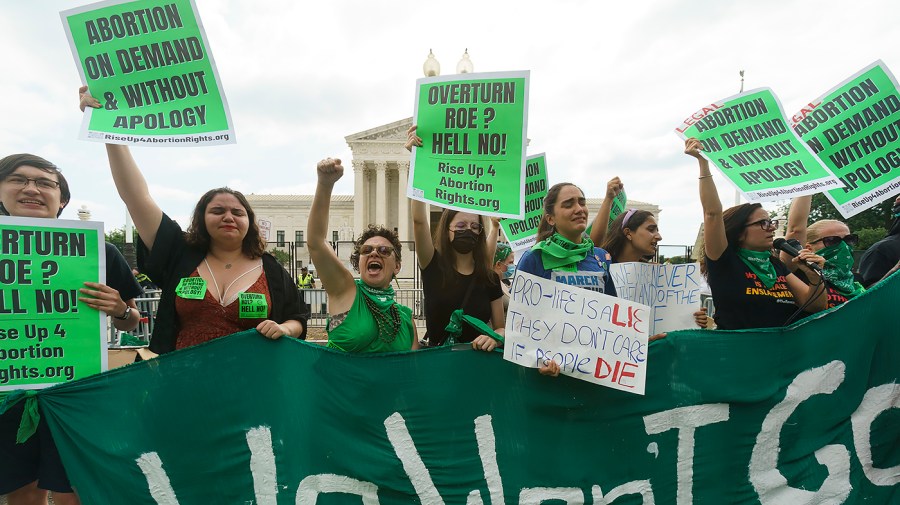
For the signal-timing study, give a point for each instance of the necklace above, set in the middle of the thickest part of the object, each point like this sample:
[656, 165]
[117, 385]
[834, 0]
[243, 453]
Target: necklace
[388, 322]
[221, 294]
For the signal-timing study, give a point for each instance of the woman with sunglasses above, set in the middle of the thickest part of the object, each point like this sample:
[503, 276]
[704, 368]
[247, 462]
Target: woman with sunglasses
[457, 279]
[750, 286]
[363, 316]
[833, 241]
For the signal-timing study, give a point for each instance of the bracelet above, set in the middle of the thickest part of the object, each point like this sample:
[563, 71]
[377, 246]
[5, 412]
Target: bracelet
[704, 176]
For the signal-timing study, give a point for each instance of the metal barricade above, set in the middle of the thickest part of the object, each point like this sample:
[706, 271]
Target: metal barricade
[317, 300]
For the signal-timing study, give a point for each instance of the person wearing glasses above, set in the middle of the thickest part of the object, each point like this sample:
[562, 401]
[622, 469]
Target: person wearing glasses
[31, 186]
[216, 278]
[363, 316]
[457, 277]
[830, 239]
[751, 287]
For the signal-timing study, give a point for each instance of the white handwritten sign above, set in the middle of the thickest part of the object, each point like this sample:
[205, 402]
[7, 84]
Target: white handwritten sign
[673, 292]
[592, 336]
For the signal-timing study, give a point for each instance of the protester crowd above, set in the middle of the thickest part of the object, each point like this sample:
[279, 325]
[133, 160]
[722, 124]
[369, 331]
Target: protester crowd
[216, 278]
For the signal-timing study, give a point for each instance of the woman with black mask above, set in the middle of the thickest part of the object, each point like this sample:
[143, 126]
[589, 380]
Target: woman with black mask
[461, 290]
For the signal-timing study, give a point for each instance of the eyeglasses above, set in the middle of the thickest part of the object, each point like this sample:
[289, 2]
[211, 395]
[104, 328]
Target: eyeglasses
[852, 240]
[462, 225]
[20, 181]
[383, 250]
[765, 224]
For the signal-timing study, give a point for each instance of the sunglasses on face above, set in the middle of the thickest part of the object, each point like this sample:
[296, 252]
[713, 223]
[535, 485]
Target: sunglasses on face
[461, 225]
[383, 250]
[765, 224]
[852, 240]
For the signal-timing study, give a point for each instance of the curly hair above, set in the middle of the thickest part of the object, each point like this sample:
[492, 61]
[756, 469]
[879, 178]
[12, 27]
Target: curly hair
[9, 164]
[197, 235]
[375, 231]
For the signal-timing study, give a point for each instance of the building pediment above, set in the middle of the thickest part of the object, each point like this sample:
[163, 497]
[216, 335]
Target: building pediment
[391, 132]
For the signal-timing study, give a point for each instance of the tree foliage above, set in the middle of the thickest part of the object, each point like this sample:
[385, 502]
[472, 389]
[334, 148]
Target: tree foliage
[871, 225]
[282, 256]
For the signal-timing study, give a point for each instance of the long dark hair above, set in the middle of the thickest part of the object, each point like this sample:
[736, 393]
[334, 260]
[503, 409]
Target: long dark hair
[484, 272]
[545, 229]
[198, 236]
[9, 164]
[735, 219]
[615, 238]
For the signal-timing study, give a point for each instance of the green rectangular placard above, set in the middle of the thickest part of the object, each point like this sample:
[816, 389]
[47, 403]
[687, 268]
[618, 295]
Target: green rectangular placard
[522, 233]
[854, 130]
[47, 335]
[473, 133]
[748, 139]
[151, 68]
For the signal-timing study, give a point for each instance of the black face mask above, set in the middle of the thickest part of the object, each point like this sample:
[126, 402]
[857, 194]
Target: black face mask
[464, 241]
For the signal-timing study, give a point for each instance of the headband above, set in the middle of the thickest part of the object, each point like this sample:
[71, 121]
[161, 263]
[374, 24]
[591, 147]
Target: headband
[627, 217]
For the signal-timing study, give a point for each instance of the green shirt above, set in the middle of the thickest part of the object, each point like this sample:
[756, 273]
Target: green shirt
[358, 332]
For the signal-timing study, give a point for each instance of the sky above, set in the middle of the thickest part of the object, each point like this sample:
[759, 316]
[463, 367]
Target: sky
[610, 81]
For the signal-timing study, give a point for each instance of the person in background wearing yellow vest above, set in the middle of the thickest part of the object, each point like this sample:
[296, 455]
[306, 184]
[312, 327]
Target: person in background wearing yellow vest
[305, 280]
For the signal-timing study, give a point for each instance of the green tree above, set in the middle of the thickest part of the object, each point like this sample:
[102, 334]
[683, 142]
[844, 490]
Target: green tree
[868, 236]
[116, 237]
[879, 216]
[283, 257]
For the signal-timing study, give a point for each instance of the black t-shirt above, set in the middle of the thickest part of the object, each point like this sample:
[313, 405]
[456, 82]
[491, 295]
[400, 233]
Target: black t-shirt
[879, 259]
[441, 301]
[741, 300]
[119, 276]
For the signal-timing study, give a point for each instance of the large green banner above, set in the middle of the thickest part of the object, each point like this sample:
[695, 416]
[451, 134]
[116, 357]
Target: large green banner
[150, 66]
[803, 415]
[473, 134]
[854, 129]
[522, 233]
[748, 139]
[46, 335]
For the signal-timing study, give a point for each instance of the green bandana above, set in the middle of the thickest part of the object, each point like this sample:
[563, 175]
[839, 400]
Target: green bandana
[383, 308]
[30, 416]
[837, 271]
[454, 327]
[560, 253]
[760, 264]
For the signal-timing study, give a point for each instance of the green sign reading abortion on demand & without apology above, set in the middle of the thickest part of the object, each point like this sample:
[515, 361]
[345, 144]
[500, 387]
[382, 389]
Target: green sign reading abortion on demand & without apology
[472, 157]
[46, 335]
[748, 139]
[150, 66]
[854, 129]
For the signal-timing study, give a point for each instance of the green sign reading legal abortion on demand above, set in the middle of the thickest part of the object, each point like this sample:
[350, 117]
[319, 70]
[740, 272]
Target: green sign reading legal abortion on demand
[522, 233]
[473, 134]
[150, 66]
[748, 139]
[854, 129]
[47, 335]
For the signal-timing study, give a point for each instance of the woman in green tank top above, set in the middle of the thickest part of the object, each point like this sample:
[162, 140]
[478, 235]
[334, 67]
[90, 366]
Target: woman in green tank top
[362, 313]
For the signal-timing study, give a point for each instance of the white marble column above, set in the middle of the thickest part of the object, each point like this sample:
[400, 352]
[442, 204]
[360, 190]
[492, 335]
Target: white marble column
[402, 200]
[359, 197]
[381, 193]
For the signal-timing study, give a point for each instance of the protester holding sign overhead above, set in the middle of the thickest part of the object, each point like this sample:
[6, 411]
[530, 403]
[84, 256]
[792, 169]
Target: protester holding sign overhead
[362, 313]
[461, 292]
[751, 287]
[31, 186]
[216, 278]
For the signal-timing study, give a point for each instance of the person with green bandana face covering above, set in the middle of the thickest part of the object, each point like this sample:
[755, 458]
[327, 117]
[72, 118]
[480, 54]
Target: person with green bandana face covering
[751, 287]
[832, 240]
[363, 316]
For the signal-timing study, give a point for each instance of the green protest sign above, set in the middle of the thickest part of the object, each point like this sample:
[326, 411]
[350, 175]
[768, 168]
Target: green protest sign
[46, 335]
[522, 233]
[785, 415]
[748, 139]
[617, 208]
[853, 128]
[150, 66]
[473, 134]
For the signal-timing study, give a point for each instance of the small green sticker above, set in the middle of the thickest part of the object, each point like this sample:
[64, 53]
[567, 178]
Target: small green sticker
[191, 288]
[253, 306]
